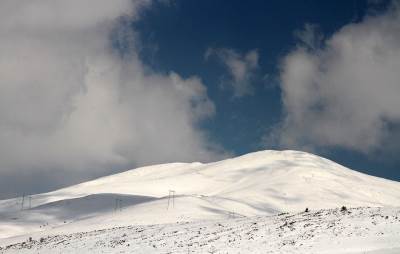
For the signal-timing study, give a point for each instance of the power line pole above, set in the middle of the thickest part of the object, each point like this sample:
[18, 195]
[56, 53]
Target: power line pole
[23, 199]
[118, 205]
[171, 198]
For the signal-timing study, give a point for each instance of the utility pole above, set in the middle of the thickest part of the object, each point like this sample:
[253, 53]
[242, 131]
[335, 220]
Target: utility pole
[23, 199]
[171, 198]
[118, 204]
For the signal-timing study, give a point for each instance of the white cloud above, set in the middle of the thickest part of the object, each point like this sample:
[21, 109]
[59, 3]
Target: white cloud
[68, 102]
[241, 68]
[346, 92]
[309, 36]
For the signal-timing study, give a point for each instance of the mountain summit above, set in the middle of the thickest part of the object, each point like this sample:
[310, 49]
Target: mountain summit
[260, 183]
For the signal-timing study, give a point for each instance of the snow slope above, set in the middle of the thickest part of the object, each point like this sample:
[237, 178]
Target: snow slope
[261, 183]
[332, 231]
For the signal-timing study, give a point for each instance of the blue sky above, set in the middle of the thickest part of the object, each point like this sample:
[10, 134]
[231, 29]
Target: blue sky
[87, 92]
[176, 36]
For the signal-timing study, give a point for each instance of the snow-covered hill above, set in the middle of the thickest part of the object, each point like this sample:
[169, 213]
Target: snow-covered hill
[257, 184]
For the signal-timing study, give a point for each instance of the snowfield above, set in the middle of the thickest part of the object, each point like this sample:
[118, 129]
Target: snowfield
[250, 204]
[357, 230]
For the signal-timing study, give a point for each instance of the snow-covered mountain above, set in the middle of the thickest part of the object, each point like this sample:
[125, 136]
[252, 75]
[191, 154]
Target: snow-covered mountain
[257, 184]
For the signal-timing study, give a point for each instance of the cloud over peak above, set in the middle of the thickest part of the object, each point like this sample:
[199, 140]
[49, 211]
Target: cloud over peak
[344, 93]
[69, 103]
[241, 68]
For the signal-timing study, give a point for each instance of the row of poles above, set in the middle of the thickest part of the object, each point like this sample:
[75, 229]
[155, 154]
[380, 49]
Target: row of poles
[171, 201]
[118, 201]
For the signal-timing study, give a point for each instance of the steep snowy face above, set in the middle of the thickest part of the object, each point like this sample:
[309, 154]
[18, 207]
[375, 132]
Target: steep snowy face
[261, 183]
